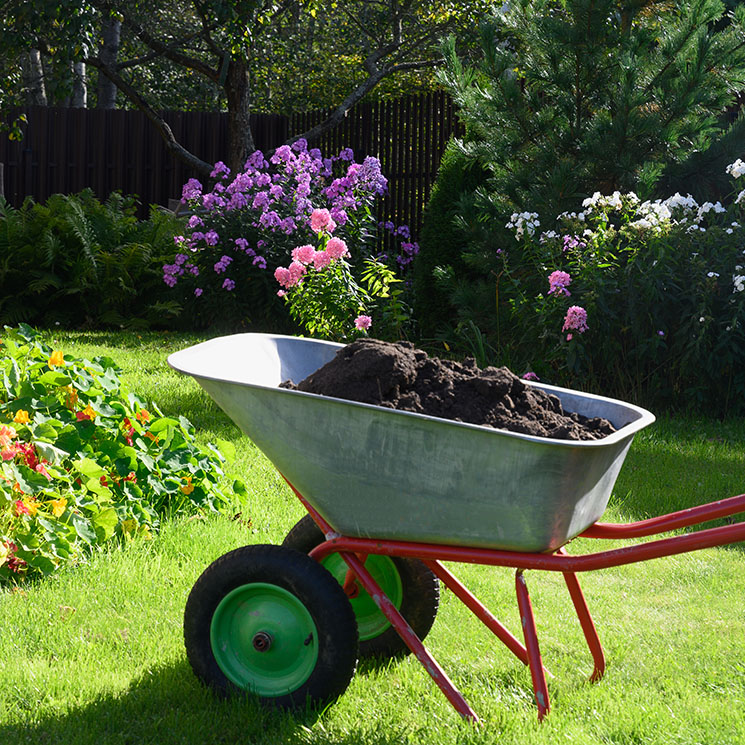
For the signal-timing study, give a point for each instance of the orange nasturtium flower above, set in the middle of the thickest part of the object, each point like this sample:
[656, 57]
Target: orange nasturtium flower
[32, 506]
[89, 412]
[21, 417]
[188, 487]
[71, 396]
[143, 415]
[58, 506]
[57, 358]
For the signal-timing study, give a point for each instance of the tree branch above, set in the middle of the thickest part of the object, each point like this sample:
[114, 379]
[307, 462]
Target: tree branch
[200, 166]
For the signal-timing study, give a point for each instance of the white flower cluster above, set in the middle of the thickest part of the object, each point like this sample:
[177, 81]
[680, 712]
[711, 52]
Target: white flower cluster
[708, 207]
[736, 169]
[615, 201]
[652, 215]
[738, 280]
[521, 222]
[687, 203]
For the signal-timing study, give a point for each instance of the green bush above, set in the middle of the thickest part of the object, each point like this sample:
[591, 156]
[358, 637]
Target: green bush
[78, 262]
[441, 240]
[85, 462]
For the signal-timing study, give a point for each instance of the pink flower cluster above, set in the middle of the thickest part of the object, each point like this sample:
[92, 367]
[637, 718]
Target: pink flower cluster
[576, 320]
[321, 221]
[362, 323]
[558, 282]
[305, 256]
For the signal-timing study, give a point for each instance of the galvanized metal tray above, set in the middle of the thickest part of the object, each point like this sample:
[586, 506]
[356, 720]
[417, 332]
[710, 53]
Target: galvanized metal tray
[373, 472]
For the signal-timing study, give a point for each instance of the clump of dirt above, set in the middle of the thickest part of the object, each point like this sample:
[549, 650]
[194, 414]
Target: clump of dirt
[399, 376]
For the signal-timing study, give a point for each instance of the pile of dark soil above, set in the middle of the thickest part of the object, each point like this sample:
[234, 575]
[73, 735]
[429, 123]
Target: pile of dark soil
[399, 376]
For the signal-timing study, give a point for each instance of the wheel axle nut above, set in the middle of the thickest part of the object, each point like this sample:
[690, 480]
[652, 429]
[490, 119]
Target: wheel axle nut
[262, 641]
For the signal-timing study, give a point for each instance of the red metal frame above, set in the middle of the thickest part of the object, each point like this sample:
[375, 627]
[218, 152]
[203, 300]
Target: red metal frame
[355, 550]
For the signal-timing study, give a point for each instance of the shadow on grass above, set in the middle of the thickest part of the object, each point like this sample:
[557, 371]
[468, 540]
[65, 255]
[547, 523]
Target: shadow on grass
[168, 705]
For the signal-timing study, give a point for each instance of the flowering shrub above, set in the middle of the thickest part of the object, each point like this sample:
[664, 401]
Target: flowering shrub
[251, 223]
[84, 462]
[657, 306]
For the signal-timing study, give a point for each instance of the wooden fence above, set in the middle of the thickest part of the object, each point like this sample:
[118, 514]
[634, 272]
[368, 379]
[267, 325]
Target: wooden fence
[65, 150]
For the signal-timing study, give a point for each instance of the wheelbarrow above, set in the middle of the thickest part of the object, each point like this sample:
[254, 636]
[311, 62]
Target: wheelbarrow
[391, 495]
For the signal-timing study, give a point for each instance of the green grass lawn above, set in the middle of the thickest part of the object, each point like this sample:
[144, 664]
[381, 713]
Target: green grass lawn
[95, 655]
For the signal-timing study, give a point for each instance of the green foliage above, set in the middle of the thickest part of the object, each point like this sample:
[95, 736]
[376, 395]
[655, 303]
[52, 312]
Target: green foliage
[78, 262]
[441, 241]
[84, 461]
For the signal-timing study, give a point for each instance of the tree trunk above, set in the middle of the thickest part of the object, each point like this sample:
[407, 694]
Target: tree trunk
[79, 98]
[109, 51]
[33, 78]
[240, 138]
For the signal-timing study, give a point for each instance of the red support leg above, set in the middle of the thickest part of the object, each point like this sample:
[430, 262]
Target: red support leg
[412, 641]
[540, 689]
[585, 620]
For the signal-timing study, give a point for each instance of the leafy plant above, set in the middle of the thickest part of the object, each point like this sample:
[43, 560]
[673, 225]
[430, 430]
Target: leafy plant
[85, 462]
[77, 261]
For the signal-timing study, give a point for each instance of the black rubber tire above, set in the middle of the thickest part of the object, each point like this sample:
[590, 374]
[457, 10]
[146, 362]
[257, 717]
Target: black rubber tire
[419, 604]
[312, 585]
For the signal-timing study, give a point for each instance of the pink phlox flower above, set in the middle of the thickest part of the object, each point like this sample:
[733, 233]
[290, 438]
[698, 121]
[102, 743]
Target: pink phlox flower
[576, 319]
[297, 271]
[320, 221]
[303, 254]
[321, 259]
[281, 293]
[282, 275]
[530, 376]
[336, 248]
[362, 322]
[558, 282]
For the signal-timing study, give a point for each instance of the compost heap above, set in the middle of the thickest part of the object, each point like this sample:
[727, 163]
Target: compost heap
[399, 376]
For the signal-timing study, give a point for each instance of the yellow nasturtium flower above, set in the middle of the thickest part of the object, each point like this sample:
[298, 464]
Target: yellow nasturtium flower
[89, 412]
[58, 506]
[32, 505]
[21, 417]
[57, 359]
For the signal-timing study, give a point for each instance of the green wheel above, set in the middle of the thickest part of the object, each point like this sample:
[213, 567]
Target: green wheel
[271, 622]
[409, 584]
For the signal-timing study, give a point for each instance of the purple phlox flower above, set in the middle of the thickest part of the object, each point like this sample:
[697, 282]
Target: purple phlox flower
[180, 259]
[262, 180]
[195, 221]
[300, 145]
[558, 283]
[196, 236]
[288, 225]
[362, 322]
[179, 240]
[256, 161]
[315, 153]
[371, 177]
[220, 170]
[192, 269]
[191, 190]
[276, 191]
[242, 182]
[404, 231]
[346, 154]
[282, 154]
[170, 280]
[198, 291]
[228, 285]
[260, 244]
[530, 376]
[237, 202]
[223, 264]
[219, 188]
[173, 269]
[212, 201]
[211, 238]
[576, 319]
[660, 333]
[269, 220]
[339, 216]
[241, 244]
[572, 241]
[259, 261]
[260, 200]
